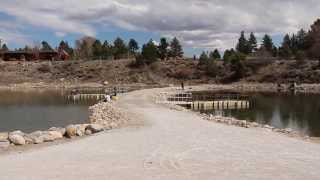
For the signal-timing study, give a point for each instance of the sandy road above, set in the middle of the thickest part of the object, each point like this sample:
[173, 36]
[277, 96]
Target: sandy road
[171, 145]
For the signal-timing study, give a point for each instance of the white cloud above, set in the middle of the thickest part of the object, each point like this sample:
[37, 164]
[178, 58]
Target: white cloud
[198, 23]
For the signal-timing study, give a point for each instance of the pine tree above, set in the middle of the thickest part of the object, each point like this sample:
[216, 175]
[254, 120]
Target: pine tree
[215, 55]
[314, 41]
[203, 59]
[65, 46]
[106, 50]
[149, 52]
[69, 49]
[97, 50]
[45, 46]
[252, 43]
[4, 47]
[294, 44]
[301, 38]
[163, 48]
[120, 49]
[243, 44]
[176, 49]
[267, 43]
[275, 51]
[227, 55]
[285, 50]
[133, 46]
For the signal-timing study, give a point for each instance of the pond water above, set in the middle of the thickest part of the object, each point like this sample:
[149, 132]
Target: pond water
[299, 112]
[40, 110]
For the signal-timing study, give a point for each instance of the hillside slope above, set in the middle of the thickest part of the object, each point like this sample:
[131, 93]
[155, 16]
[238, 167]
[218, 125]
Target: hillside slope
[165, 72]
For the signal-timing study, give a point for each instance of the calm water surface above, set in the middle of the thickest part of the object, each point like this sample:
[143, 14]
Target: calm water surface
[30, 111]
[299, 112]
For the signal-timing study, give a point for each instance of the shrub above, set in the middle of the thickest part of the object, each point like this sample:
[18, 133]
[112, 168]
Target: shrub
[44, 68]
[183, 74]
[212, 68]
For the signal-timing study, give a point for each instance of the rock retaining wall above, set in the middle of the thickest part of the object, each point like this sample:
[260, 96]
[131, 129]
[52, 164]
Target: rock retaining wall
[247, 124]
[103, 116]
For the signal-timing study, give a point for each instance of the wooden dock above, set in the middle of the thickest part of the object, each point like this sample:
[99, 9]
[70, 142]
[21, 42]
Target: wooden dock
[85, 97]
[205, 102]
[220, 105]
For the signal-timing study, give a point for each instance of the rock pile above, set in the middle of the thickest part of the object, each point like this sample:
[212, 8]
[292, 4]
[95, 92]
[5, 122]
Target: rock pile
[107, 115]
[103, 116]
[37, 137]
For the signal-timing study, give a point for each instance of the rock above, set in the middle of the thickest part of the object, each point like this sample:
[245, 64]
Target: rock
[38, 140]
[55, 135]
[28, 139]
[4, 136]
[79, 132]
[268, 127]
[71, 131]
[4, 144]
[17, 132]
[254, 124]
[61, 130]
[288, 130]
[47, 137]
[106, 113]
[88, 132]
[81, 128]
[17, 139]
[243, 123]
[113, 125]
[95, 128]
[36, 137]
[105, 83]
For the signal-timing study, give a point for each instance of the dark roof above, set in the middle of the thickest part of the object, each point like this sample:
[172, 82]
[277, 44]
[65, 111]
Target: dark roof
[29, 52]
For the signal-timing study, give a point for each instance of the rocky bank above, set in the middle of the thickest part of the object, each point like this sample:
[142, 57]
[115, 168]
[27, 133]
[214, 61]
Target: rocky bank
[103, 116]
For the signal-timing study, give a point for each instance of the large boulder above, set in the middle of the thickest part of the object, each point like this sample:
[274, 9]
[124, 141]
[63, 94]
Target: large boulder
[88, 132]
[71, 131]
[59, 129]
[17, 132]
[55, 134]
[17, 139]
[34, 137]
[4, 136]
[28, 139]
[45, 136]
[81, 128]
[95, 128]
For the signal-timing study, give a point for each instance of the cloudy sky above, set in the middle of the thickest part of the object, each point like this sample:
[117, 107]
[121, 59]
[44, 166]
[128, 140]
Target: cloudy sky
[199, 24]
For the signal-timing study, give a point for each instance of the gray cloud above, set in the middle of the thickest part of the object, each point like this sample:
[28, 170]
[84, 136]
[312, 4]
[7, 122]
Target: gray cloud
[198, 23]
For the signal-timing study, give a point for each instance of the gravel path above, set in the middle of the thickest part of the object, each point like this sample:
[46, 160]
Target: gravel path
[171, 145]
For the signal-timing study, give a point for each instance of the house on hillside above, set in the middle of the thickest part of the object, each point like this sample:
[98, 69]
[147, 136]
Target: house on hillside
[17, 56]
[48, 55]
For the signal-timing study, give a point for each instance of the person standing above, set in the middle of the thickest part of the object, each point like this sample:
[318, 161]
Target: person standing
[182, 85]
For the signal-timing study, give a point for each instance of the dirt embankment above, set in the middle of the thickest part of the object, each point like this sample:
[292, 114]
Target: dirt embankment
[164, 72]
[288, 71]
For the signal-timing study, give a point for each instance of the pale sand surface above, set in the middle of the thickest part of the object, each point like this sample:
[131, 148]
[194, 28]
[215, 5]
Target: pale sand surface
[170, 145]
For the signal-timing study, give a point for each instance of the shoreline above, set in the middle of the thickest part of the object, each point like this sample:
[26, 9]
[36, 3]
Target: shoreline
[239, 87]
[171, 144]
[103, 117]
[231, 121]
